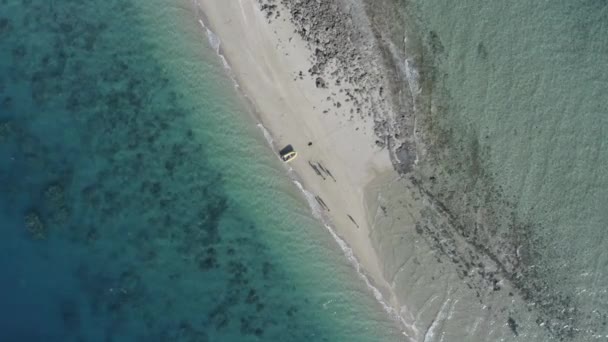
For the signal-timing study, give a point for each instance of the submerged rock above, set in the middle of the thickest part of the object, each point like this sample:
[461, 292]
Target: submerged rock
[512, 325]
[35, 226]
[54, 194]
[6, 131]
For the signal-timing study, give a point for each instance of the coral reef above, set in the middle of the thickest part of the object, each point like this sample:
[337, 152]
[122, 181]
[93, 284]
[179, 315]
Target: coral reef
[34, 225]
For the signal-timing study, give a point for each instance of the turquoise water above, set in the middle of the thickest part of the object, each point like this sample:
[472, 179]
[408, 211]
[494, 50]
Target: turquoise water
[139, 201]
[513, 110]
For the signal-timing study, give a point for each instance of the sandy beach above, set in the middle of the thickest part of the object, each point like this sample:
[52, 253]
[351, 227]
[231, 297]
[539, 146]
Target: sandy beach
[337, 153]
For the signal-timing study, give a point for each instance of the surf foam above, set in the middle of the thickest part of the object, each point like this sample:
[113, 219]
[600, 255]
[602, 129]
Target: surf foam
[318, 213]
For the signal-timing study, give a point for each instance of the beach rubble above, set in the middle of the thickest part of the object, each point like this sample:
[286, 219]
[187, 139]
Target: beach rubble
[346, 49]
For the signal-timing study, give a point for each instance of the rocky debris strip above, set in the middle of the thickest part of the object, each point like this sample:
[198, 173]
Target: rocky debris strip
[347, 59]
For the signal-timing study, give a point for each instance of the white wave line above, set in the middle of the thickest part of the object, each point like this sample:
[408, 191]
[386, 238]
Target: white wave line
[412, 76]
[267, 135]
[317, 212]
[440, 318]
[216, 44]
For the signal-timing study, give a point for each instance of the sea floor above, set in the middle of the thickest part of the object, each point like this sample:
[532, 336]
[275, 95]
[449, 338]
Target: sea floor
[512, 176]
[139, 201]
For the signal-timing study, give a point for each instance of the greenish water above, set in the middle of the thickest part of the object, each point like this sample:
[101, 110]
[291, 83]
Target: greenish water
[139, 202]
[512, 106]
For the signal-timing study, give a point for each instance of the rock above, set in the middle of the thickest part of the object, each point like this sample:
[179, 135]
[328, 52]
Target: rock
[5, 131]
[54, 194]
[34, 225]
[512, 325]
[320, 83]
[405, 155]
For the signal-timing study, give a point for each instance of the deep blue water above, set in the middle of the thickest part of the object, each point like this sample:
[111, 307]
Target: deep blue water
[118, 223]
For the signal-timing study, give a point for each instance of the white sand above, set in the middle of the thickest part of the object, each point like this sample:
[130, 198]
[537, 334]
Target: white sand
[266, 59]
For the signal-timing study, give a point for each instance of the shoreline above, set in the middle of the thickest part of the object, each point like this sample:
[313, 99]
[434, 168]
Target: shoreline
[389, 77]
[340, 164]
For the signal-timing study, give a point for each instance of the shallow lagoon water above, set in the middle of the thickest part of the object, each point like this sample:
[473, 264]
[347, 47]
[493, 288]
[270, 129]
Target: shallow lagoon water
[140, 201]
[512, 108]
